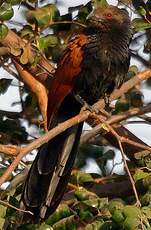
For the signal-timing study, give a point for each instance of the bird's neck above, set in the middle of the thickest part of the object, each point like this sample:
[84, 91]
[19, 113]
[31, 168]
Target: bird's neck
[115, 35]
[108, 40]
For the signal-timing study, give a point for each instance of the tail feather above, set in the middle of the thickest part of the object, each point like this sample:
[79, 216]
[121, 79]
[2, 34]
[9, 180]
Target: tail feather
[50, 172]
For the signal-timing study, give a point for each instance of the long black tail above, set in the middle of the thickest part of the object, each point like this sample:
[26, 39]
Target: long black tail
[50, 172]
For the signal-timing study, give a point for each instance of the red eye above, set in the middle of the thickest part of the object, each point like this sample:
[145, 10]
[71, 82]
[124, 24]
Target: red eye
[108, 16]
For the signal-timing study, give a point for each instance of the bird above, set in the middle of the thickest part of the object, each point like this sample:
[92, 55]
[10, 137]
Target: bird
[94, 63]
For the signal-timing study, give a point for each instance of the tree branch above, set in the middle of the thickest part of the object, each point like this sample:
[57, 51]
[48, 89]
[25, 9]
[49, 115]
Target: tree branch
[114, 119]
[11, 150]
[75, 120]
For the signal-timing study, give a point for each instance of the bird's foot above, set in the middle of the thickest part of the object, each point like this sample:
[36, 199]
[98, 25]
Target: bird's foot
[85, 105]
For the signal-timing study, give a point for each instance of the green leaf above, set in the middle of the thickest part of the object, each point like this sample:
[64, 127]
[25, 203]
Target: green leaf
[4, 85]
[146, 199]
[27, 32]
[26, 227]
[96, 202]
[141, 11]
[131, 211]
[84, 211]
[139, 174]
[45, 227]
[133, 70]
[3, 31]
[84, 12]
[116, 204]
[147, 212]
[109, 225]
[32, 1]
[148, 163]
[14, 2]
[2, 211]
[44, 43]
[83, 194]
[95, 225]
[81, 178]
[2, 221]
[131, 223]
[6, 12]
[102, 2]
[135, 98]
[139, 24]
[121, 105]
[11, 212]
[67, 223]
[43, 16]
[118, 216]
[61, 212]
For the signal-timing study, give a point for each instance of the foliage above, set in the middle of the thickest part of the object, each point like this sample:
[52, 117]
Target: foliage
[91, 200]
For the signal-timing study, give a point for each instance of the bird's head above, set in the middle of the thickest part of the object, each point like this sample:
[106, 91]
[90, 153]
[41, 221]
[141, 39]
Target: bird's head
[109, 18]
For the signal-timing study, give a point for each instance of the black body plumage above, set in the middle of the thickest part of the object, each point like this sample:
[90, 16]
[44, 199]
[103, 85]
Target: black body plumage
[104, 66]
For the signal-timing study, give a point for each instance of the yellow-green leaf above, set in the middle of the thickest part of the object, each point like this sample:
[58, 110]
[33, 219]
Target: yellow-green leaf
[14, 2]
[3, 31]
[2, 211]
[43, 16]
[6, 12]
[44, 43]
[139, 24]
[61, 212]
[139, 174]
[102, 2]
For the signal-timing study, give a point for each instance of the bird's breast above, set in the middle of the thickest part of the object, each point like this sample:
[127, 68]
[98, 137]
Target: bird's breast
[103, 69]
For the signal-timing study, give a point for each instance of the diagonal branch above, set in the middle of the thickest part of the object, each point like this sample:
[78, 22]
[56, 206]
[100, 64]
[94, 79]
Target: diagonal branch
[75, 120]
[114, 119]
[40, 141]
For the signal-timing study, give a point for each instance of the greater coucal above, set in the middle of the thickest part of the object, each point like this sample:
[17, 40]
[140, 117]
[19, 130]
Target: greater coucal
[94, 63]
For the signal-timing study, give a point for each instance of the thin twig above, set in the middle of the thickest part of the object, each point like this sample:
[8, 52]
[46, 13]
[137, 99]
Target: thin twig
[64, 22]
[120, 140]
[11, 206]
[129, 174]
[114, 119]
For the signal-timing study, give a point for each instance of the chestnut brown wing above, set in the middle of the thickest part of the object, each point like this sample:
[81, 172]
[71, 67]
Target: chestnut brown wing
[68, 69]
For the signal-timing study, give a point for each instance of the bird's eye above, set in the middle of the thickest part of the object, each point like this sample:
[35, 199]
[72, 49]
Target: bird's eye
[108, 16]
